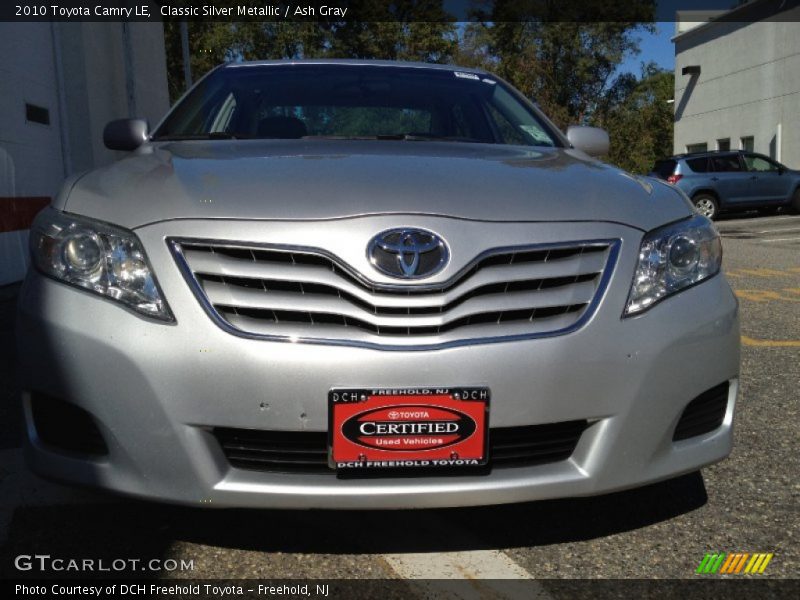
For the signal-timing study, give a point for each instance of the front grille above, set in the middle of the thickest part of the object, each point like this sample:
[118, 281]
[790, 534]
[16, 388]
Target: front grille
[302, 294]
[66, 427]
[703, 414]
[307, 451]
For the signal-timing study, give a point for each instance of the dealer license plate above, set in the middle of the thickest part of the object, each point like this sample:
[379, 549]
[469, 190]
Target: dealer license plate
[408, 428]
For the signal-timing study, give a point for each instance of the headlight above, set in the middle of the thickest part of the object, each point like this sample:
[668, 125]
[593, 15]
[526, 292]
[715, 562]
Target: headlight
[674, 258]
[98, 257]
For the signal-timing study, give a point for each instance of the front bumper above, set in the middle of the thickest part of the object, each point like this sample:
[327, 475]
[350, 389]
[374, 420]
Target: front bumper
[155, 390]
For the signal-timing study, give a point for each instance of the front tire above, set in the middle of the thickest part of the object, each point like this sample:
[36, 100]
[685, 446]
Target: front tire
[706, 205]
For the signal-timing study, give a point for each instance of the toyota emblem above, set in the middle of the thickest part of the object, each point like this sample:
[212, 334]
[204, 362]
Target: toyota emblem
[408, 253]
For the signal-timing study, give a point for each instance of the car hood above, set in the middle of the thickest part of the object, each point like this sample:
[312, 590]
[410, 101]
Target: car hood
[326, 179]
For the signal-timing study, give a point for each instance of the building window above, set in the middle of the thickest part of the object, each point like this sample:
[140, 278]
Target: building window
[724, 144]
[747, 143]
[37, 114]
[692, 148]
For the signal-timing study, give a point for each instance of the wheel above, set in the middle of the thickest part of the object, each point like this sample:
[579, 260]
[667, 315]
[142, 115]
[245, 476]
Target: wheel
[706, 205]
[795, 204]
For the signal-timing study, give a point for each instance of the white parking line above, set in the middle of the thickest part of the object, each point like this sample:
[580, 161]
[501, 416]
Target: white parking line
[782, 218]
[483, 574]
[789, 239]
[779, 230]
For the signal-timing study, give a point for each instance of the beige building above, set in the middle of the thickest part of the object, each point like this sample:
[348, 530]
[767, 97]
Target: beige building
[61, 83]
[737, 84]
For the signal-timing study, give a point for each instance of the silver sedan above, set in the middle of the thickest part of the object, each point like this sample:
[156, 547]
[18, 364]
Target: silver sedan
[354, 284]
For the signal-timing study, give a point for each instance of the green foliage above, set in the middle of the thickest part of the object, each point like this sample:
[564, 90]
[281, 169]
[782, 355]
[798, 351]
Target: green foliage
[414, 30]
[557, 53]
[570, 69]
[639, 119]
[566, 68]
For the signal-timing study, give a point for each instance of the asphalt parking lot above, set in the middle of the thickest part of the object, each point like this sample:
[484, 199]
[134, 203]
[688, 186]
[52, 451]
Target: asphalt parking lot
[748, 503]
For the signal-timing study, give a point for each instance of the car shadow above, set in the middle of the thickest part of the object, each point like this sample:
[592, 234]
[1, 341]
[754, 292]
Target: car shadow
[111, 528]
[10, 406]
[751, 214]
[446, 530]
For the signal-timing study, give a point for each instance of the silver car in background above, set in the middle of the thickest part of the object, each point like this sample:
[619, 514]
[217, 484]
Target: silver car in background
[355, 284]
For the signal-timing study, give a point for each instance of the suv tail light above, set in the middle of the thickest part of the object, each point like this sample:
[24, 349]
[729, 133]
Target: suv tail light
[674, 178]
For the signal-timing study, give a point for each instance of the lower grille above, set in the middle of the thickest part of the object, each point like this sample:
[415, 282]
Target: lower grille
[703, 414]
[66, 427]
[534, 444]
[307, 451]
[278, 451]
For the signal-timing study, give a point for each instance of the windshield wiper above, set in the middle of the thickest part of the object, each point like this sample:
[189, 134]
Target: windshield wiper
[425, 137]
[411, 137]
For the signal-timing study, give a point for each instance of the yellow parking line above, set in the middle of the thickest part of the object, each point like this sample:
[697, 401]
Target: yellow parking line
[764, 295]
[761, 272]
[748, 341]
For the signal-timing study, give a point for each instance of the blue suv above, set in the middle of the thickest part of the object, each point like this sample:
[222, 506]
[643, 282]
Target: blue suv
[732, 180]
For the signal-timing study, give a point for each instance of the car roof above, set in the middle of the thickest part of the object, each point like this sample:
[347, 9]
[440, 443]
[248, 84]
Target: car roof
[354, 62]
[709, 153]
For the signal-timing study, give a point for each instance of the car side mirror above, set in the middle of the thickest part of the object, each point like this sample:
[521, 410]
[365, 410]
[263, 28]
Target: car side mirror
[592, 140]
[125, 134]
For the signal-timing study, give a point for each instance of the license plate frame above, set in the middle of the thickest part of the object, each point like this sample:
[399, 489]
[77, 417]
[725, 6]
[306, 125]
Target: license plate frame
[374, 429]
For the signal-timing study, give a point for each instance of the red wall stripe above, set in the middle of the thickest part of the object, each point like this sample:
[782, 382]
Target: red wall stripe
[17, 212]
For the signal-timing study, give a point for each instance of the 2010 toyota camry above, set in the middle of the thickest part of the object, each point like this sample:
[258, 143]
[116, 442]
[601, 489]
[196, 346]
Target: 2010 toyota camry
[371, 285]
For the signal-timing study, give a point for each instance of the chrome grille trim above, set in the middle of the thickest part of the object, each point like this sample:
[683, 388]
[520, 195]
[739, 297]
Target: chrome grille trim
[307, 295]
[378, 296]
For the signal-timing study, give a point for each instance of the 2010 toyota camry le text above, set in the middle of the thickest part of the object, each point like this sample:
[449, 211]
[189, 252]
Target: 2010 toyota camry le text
[358, 284]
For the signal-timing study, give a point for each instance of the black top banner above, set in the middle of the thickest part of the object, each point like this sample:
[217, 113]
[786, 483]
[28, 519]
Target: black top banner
[331, 11]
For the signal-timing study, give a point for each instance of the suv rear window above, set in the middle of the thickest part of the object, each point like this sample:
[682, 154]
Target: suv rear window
[664, 168]
[698, 165]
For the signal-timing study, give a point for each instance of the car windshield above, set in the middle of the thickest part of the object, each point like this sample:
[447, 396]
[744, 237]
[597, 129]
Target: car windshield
[354, 102]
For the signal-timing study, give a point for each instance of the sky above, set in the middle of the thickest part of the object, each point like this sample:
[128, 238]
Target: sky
[654, 46]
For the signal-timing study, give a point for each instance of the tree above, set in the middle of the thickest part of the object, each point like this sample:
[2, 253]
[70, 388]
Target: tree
[564, 56]
[639, 118]
[565, 67]
[417, 30]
